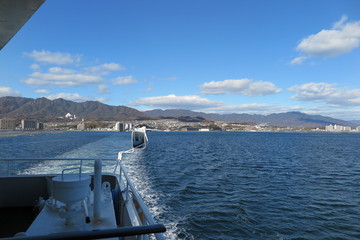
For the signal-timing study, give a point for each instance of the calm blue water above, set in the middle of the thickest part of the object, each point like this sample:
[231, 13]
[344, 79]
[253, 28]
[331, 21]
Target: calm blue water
[230, 185]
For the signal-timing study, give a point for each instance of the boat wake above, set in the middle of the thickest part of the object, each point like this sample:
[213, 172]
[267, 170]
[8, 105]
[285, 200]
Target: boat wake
[97, 149]
[152, 198]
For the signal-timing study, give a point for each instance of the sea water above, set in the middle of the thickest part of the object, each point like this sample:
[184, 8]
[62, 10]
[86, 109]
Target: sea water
[228, 185]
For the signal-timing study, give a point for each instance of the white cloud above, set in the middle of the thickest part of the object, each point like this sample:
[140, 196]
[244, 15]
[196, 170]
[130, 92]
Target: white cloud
[253, 108]
[341, 22]
[327, 93]
[173, 101]
[340, 39]
[61, 71]
[344, 114]
[35, 67]
[149, 89]
[173, 78]
[74, 97]
[103, 89]
[204, 105]
[7, 91]
[126, 80]
[106, 68]
[112, 67]
[298, 60]
[246, 87]
[58, 58]
[42, 91]
[243, 108]
[73, 76]
[62, 77]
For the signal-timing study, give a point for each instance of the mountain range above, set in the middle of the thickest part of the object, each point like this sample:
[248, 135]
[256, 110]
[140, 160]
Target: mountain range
[48, 110]
[289, 119]
[43, 109]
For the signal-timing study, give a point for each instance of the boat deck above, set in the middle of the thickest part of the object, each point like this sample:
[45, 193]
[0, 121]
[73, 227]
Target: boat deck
[28, 202]
[18, 205]
[9, 221]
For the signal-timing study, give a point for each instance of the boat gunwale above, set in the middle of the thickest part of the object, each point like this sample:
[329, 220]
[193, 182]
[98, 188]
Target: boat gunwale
[128, 189]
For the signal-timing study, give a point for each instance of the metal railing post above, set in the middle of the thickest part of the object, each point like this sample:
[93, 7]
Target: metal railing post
[8, 168]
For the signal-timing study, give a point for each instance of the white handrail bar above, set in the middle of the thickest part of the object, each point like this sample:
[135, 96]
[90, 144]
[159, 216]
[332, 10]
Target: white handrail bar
[8, 161]
[122, 175]
[148, 217]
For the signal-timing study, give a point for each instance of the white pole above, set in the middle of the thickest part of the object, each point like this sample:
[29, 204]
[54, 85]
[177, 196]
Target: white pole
[97, 189]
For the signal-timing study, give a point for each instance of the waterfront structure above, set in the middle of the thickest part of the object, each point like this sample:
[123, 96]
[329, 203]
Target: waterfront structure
[122, 127]
[189, 129]
[129, 126]
[81, 126]
[204, 130]
[40, 126]
[28, 124]
[337, 128]
[119, 126]
[7, 124]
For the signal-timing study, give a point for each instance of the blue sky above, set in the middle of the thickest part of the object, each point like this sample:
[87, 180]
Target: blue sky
[256, 57]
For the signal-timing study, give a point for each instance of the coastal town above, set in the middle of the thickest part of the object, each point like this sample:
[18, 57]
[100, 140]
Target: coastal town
[70, 123]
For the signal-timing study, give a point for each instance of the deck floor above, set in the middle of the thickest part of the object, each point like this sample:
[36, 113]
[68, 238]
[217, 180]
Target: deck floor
[15, 219]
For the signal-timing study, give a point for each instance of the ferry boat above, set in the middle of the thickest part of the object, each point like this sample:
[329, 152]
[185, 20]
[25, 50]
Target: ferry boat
[139, 138]
[72, 199]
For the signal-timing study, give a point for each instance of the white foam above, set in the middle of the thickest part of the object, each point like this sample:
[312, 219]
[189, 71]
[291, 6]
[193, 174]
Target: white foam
[152, 198]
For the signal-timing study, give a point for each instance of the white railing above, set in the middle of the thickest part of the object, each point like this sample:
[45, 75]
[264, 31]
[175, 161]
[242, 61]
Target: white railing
[130, 192]
[54, 166]
[39, 166]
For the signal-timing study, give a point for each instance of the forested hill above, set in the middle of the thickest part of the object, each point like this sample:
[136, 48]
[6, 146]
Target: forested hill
[289, 119]
[44, 109]
[48, 110]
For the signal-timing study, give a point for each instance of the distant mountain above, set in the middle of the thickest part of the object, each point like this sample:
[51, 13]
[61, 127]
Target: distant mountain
[356, 122]
[47, 110]
[289, 119]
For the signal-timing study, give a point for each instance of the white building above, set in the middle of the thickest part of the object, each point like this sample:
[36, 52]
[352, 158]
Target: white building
[204, 130]
[337, 128]
[70, 116]
[129, 126]
[120, 126]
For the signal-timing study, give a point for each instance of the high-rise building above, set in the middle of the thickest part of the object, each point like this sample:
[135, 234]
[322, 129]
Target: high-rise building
[40, 126]
[337, 128]
[28, 124]
[7, 124]
[119, 127]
